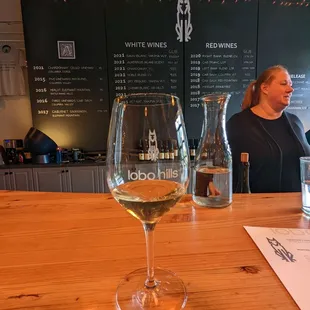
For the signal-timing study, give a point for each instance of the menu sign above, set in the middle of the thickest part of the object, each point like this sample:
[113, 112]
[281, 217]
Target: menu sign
[220, 55]
[287, 252]
[67, 71]
[145, 50]
[273, 49]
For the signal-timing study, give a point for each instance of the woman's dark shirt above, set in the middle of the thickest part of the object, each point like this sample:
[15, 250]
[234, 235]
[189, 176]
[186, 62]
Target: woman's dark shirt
[280, 131]
[274, 147]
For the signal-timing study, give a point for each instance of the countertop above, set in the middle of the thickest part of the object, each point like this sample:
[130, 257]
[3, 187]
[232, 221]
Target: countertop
[69, 251]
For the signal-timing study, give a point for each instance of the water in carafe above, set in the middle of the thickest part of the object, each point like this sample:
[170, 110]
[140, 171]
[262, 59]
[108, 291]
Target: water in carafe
[212, 177]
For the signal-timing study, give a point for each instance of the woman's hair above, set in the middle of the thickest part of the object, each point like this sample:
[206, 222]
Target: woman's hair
[252, 93]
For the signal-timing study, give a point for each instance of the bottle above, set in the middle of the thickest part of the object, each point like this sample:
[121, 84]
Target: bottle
[167, 153]
[171, 150]
[196, 144]
[243, 185]
[161, 150]
[146, 150]
[58, 155]
[141, 150]
[192, 149]
[75, 153]
[2, 156]
[212, 175]
[21, 159]
[176, 150]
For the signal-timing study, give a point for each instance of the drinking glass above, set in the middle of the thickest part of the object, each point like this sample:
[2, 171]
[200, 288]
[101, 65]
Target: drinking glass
[148, 189]
[305, 184]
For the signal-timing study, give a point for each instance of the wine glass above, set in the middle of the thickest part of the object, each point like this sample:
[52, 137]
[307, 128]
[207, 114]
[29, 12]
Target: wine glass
[148, 186]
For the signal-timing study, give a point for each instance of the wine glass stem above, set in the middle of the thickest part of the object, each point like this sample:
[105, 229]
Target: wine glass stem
[149, 238]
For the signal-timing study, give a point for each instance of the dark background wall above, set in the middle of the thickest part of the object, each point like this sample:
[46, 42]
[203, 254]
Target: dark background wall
[283, 39]
[82, 54]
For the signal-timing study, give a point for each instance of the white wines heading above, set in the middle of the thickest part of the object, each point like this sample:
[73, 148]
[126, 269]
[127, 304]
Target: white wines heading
[147, 44]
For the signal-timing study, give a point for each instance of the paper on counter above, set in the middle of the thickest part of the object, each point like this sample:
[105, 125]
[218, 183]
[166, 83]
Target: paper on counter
[287, 250]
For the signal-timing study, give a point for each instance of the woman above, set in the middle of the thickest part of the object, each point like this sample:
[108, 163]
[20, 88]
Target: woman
[274, 138]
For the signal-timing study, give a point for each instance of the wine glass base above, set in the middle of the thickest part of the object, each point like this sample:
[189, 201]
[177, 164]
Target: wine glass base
[168, 293]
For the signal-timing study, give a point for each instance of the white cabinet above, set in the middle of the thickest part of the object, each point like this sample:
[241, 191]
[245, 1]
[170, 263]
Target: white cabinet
[19, 179]
[80, 179]
[49, 179]
[5, 182]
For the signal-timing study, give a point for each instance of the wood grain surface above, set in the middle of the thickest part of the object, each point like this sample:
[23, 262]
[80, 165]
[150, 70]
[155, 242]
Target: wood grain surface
[66, 251]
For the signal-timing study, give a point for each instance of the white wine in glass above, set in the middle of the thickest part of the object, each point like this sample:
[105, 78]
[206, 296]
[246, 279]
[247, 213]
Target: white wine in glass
[148, 189]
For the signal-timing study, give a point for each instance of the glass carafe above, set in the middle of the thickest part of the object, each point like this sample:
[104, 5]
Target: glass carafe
[212, 177]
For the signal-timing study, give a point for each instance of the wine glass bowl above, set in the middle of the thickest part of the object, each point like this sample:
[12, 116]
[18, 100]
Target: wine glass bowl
[140, 200]
[141, 124]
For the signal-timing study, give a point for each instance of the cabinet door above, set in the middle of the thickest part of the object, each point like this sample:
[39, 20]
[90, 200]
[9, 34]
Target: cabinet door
[103, 185]
[21, 179]
[5, 179]
[49, 179]
[82, 179]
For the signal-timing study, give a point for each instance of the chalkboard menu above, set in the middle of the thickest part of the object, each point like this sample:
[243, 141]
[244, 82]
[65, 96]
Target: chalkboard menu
[77, 49]
[220, 55]
[145, 50]
[283, 38]
[66, 54]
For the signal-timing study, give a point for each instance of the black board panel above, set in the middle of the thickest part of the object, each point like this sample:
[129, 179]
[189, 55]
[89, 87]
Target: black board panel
[220, 56]
[283, 39]
[145, 53]
[66, 54]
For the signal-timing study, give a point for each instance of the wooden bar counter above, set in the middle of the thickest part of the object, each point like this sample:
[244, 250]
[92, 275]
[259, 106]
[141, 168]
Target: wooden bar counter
[69, 251]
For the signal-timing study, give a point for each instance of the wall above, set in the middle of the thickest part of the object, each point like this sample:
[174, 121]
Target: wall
[15, 112]
[220, 55]
[15, 117]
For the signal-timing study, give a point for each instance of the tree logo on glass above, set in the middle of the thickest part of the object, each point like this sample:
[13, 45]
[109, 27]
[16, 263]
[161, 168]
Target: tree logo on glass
[280, 250]
[153, 150]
